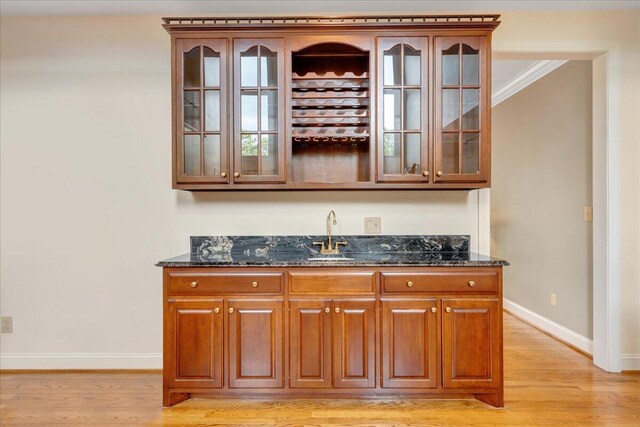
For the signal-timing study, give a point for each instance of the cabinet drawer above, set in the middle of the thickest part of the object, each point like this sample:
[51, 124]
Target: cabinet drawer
[225, 283]
[332, 283]
[482, 282]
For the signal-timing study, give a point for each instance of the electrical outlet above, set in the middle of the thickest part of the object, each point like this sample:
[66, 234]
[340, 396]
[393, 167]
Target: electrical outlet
[373, 225]
[588, 214]
[7, 325]
[554, 299]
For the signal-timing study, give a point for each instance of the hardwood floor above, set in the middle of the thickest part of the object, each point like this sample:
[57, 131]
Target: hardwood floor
[546, 384]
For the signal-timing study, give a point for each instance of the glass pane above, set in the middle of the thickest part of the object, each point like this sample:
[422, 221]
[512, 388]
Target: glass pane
[470, 66]
[191, 110]
[450, 65]
[412, 69]
[249, 143]
[391, 153]
[412, 148]
[211, 110]
[249, 110]
[392, 109]
[471, 153]
[450, 109]
[268, 67]
[249, 67]
[470, 109]
[450, 153]
[211, 68]
[269, 154]
[191, 71]
[269, 110]
[212, 160]
[192, 155]
[392, 66]
[412, 110]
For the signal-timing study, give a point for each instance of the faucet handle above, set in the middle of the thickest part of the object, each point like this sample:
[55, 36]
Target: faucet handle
[319, 243]
[342, 243]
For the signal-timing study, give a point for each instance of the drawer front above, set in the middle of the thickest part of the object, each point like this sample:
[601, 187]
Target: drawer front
[320, 283]
[482, 282]
[226, 283]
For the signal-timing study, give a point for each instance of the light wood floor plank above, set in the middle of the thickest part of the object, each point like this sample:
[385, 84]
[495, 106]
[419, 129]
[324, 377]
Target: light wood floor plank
[546, 384]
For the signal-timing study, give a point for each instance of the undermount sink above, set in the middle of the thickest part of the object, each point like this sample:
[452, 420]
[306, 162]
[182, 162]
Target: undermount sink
[330, 258]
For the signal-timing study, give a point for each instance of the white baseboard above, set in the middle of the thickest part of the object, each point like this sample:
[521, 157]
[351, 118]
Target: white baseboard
[630, 362]
[549, 326]
[81, 361]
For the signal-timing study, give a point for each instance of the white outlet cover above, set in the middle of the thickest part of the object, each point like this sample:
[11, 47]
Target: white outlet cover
[372, 225]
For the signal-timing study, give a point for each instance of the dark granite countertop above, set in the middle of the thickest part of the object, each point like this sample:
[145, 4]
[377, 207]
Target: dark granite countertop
[296, 251]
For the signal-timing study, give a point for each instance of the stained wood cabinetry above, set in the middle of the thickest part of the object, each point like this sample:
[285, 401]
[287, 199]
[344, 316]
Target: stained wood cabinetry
[331, 103]
[309, 332]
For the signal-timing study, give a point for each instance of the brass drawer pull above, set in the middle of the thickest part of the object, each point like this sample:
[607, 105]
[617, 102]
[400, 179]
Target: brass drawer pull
[236, 174]
[448, 309]
[472, 283]
[439, 173]
[254, 284]
[434, 310]
[230, 310]
[425, 173]
[410, 284]
[216, 310]
[223, 174]
[327, 310]
[337, 310]
[194, 284]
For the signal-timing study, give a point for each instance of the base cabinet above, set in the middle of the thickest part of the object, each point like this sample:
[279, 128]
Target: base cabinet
[420, 332]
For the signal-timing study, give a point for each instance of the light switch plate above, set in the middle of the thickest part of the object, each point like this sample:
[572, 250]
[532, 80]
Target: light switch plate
[7, 324]
[588, 214]
[373, 225]
[554, 299]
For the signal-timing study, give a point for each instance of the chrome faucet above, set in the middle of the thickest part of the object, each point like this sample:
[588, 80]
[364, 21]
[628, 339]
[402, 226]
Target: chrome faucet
[330, 248]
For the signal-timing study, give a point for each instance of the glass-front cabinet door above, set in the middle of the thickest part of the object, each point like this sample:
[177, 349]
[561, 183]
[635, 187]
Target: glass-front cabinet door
[403, 136]
[258, 110]
[202, 138]
[462, 145]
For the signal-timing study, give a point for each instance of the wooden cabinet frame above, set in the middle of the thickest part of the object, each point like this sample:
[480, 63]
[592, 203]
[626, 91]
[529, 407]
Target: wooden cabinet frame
[348, 352]
[285, 35]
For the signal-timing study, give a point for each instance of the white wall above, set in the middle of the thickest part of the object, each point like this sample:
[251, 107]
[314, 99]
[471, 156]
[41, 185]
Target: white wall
[87, 204]
[86, 200]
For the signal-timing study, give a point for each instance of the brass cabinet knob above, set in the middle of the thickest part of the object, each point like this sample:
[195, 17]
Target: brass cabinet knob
[448, 309]
[254, 284]
[425, 173]
[230, 310]
[194, 284]
[472, 283]
[439, 173]
[216, 310]
[434, 310]
[327, 310]
[236, 174]
[410, 284]
[223, 174]
[337, 310]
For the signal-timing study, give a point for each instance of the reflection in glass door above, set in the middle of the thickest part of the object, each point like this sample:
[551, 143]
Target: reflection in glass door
[259, 154]
[202, 137]
[461, 90]
[402, 119]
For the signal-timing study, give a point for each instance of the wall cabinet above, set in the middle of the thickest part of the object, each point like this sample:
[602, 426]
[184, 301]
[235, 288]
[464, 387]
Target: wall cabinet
[331, 103]
[333, 332]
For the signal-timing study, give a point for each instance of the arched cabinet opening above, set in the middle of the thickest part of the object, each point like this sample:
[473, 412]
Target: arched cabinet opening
[202, 149]
[330, 114]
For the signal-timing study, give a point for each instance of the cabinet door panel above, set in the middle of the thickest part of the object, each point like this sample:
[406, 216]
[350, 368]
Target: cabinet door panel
[259, 110]
[462, 144]
[194, 337]
[310, 346]
[409, 343]
[255, 343]
[353, 344]
[471, 345]
[201, 99]
[403, 136]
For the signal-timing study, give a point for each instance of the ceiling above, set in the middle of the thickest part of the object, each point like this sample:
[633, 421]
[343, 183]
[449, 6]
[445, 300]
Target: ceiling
[271, 7]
